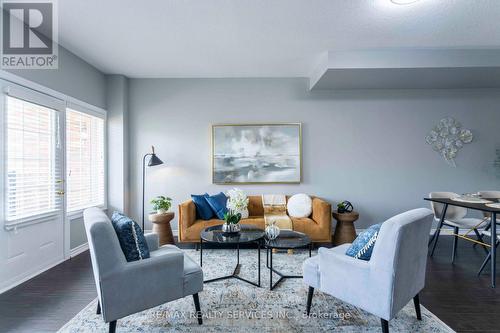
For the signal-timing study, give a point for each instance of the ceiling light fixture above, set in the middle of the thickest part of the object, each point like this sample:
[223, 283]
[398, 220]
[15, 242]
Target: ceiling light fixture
[403, 2]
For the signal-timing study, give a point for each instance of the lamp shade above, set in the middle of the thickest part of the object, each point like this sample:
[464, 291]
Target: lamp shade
[154, 160]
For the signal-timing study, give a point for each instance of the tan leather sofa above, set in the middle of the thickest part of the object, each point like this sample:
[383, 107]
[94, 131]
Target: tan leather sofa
[318, 226]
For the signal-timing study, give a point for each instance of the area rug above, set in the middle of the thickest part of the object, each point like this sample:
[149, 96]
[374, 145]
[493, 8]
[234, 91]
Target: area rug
[235, 306]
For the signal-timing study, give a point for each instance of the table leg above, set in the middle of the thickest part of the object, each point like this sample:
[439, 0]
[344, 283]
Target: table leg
[271, 270]
[201, 252]
[438, 230]
[238, 254]
[258, 260]
[493, 249]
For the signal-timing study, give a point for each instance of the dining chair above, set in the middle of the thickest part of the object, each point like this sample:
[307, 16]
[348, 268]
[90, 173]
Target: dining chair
[455, 218]
[485, 231]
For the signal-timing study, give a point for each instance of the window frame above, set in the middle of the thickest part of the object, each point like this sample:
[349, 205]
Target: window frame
[75, 214]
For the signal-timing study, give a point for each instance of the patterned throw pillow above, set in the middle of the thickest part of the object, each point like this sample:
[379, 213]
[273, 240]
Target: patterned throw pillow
[131, 237]
[363, 245]
[218, 204]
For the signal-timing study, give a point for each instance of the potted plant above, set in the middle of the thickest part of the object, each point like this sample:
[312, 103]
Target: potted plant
[161, 204]
[238, 202]
[231, 222]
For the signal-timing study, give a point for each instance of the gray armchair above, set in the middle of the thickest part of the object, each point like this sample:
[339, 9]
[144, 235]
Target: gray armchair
[124, 288]
[389, 280]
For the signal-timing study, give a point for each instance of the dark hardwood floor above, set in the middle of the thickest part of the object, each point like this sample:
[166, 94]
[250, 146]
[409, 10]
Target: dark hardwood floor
[453, 292]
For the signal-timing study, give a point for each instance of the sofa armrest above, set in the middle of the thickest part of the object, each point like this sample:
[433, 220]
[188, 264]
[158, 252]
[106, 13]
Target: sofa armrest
[322, 214]
[187, 217]
[153, 241]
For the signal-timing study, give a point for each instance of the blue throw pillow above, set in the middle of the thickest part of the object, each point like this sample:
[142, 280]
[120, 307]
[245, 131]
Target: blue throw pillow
[131, 237]
[363, 245]
[218, 204]
[203, 210]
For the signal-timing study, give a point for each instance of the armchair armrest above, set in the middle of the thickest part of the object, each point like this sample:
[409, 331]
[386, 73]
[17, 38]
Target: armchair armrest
[153, 241]
[354, 281]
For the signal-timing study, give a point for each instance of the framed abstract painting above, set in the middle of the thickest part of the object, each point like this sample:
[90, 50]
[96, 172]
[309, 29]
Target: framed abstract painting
[256, 153]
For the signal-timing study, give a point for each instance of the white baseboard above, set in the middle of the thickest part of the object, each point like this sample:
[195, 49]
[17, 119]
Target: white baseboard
[29, 276]
[79, 249]
[175, 232]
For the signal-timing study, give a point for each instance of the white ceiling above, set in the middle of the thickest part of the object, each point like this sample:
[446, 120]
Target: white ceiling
[261, 38]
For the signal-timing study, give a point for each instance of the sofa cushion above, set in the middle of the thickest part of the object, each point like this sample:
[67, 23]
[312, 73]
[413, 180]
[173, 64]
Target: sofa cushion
[363, 245]
[218, 204]
[299, 205]
[130, 236]
[203, 210]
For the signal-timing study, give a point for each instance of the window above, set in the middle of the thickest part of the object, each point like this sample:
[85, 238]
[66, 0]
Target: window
[33, 160]
[84, 160]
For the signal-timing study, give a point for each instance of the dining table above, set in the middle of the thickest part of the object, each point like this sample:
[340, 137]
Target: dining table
[478, 206]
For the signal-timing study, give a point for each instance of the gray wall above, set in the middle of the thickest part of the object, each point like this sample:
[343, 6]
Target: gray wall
[364, 146]
[74, 77]
[117, 107]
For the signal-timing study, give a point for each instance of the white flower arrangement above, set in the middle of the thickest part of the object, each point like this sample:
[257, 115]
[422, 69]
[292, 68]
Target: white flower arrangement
[238, 200]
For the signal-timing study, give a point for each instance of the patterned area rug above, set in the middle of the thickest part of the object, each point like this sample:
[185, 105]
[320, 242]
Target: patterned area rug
[235, 306]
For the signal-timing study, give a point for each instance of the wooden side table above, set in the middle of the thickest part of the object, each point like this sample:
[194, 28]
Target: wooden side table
[344, 230]
[161, 226]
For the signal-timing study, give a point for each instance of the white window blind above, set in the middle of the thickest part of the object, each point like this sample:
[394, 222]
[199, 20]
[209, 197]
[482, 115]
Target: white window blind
[33, 160]
[84, 160]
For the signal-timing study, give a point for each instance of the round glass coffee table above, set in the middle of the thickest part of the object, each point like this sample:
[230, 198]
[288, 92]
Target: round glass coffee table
[286, 240]
[248, 234]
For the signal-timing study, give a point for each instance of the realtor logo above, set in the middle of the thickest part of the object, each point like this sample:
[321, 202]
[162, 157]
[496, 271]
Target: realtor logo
[29, 34]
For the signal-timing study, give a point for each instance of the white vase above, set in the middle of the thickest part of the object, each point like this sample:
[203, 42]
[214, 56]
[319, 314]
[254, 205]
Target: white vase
[272, 231]
[161, 211]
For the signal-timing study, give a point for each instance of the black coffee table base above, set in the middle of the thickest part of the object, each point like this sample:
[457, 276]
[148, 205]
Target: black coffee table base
[236, 271]
[269, 265]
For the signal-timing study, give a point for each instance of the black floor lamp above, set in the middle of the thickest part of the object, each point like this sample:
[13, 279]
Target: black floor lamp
[154, 160]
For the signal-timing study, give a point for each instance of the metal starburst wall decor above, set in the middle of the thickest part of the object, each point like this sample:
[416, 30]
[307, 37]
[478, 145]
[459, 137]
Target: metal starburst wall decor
[447, 138]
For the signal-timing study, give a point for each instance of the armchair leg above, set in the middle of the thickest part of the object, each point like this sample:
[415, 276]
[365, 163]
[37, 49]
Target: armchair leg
[385, 325]
[416, 302]
[98, 311]
[112, 326]
[197, 307]
[309, 300]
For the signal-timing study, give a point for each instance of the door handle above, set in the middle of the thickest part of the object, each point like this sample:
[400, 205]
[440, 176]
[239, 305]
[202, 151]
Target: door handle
[60, 192]
[59, 181]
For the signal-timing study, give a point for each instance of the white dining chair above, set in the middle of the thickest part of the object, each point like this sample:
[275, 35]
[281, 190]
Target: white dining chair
[486, 232]
[455, 218]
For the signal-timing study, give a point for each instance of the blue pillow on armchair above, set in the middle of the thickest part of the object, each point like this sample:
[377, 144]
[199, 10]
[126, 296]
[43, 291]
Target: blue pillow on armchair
[131, 237]
[203, 210]
[218, 204]
[363, 245]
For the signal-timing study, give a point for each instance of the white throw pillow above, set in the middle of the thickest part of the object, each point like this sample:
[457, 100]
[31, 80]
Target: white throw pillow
[299, 205]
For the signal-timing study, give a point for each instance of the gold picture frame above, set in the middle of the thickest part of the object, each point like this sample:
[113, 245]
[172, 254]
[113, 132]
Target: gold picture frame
[229, 178]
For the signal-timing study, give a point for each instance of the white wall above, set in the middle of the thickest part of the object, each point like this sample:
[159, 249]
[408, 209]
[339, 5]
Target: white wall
[364, 146]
